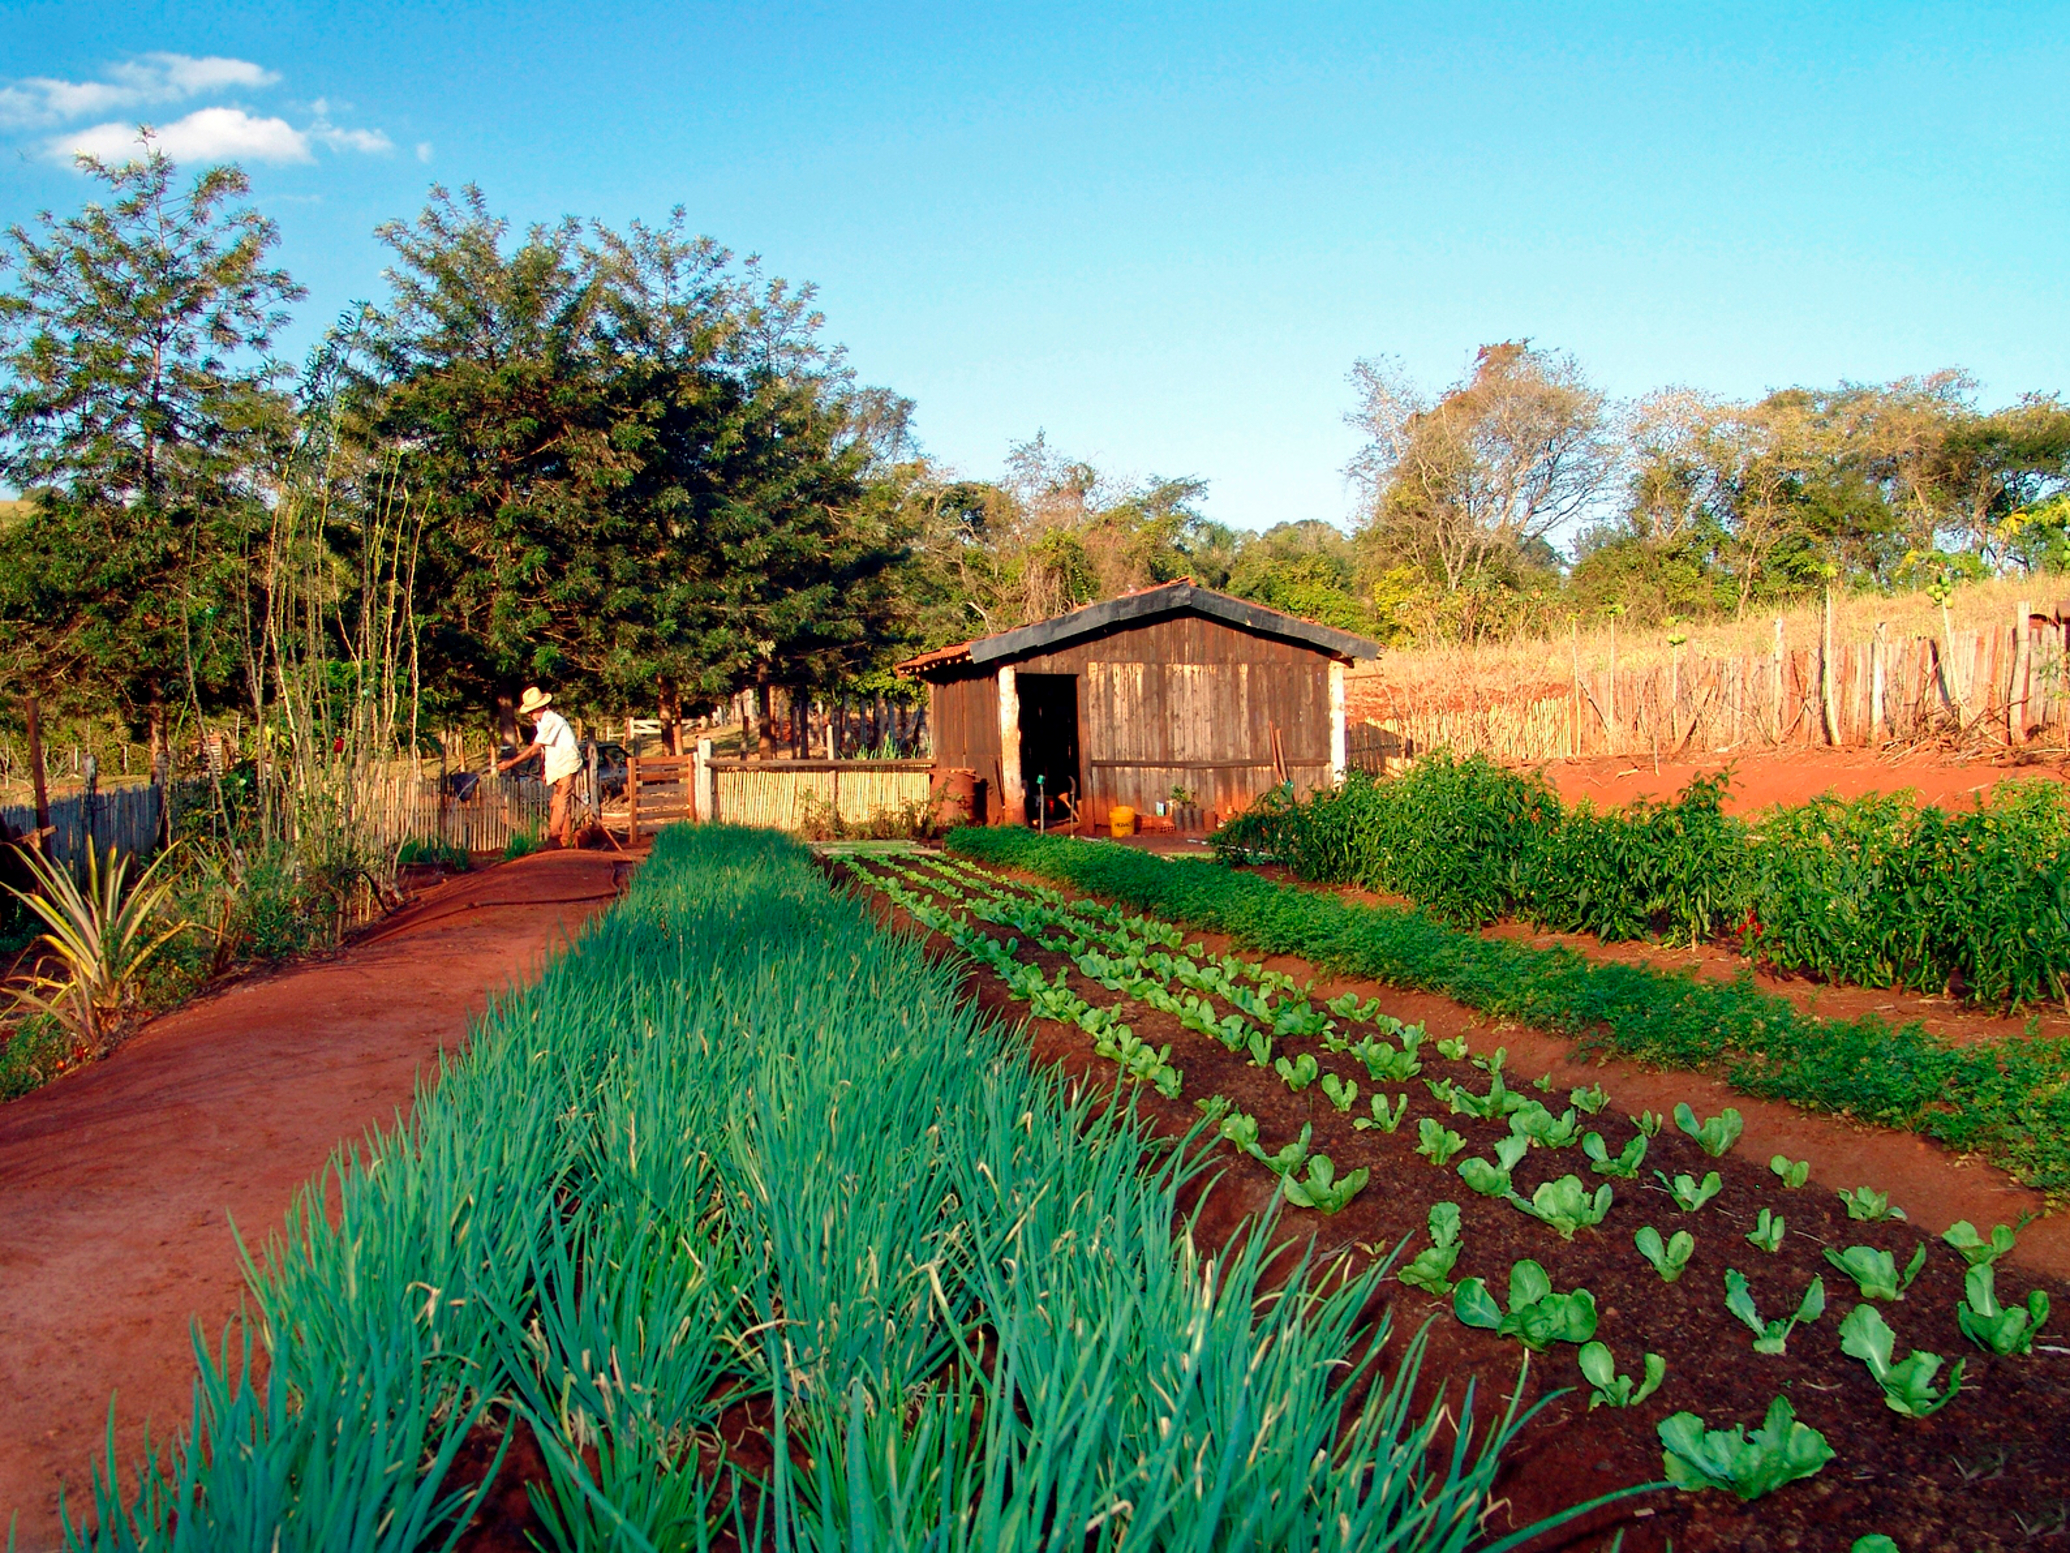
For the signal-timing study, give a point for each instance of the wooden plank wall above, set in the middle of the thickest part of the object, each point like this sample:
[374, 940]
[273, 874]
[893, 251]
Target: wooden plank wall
[125, 818]
[1190, 702]
[965, 714]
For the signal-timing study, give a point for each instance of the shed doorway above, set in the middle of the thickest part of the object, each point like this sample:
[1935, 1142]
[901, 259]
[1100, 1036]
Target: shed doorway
[1049, 748]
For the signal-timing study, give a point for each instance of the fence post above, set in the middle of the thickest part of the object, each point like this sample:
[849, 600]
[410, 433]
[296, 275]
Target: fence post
[703, 796]
[632, 800]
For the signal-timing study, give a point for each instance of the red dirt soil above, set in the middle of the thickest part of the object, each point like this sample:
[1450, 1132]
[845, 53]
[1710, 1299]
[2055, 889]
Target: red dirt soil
[1768, 777]
[122, 1181]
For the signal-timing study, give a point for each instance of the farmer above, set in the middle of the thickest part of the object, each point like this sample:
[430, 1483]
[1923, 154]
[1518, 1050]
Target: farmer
[555, 740]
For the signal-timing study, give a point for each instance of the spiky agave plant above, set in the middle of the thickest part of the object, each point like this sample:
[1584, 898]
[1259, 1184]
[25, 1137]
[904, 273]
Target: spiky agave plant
[105, 936]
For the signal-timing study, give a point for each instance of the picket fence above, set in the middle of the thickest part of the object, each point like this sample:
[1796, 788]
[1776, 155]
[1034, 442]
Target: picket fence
[125, 818]
[793, 794]
[1993, 686]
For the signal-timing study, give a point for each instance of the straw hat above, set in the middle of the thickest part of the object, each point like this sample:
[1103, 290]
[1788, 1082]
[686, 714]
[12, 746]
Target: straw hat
[535, 700]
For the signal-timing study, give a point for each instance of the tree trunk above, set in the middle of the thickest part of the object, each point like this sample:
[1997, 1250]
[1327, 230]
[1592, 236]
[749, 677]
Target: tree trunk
[507, 723]
[765, 719]
[671, 718]
[37, 784]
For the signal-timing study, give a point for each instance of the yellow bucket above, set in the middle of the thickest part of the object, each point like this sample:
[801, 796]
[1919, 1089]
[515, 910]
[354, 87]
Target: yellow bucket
[1121, 820]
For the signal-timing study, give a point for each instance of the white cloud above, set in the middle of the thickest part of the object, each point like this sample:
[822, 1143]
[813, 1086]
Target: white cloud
[423, 150]
[206, 135]
[371, 141]
[148, 79]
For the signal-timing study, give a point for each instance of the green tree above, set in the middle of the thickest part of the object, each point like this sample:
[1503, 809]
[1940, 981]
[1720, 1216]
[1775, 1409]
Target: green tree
[141, 410]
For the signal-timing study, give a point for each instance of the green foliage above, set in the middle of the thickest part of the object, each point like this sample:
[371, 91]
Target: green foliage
[1544, 1129]
[1567, 1205]
[1493, 1180]
[438, 854]
[1963, 1237]
[1716, 1135]
[1878, 891]
[103, 936]
[1767, 1233]
[1868, 1206]
[1907, 1387]
[1298, 1072]
[1990, 1325]
[1649, 1124]
[33, 1051]
[1537, 1316]
[2007, 1100]
[1668, 1258]
[1436, 1142]
[1689, 1193]
[1792, 1173]
[1343, 1093]
[1431, 1270]
[747, 1253]
[137, 392]
[1599, 1369]
[1322, 1188]
[1625, 1166]
[1875, 1272]
[522, 843]
[1782, 1450]
[1385, 1117]
[1771, 1337]
[1590, 1100]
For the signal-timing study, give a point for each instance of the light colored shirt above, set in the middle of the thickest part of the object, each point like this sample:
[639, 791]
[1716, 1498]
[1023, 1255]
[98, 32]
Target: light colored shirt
[557, 741]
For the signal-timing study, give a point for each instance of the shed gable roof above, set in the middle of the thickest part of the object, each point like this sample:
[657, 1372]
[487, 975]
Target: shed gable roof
[1173, 598]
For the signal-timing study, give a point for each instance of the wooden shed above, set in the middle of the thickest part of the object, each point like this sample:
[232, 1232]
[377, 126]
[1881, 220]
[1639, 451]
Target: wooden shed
[1124, 701]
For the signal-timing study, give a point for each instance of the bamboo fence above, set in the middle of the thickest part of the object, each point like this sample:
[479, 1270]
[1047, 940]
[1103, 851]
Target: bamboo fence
[790, 794]
[1993, 686]
[390, 810]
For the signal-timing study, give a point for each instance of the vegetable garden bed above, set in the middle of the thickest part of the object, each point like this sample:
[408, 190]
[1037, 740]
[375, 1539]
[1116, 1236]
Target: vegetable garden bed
[1984, 1465]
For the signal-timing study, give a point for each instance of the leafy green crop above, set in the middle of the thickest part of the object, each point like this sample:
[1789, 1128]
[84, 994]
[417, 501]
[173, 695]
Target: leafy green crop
[2008, 1100]
[1535, 1122]
[1690, 1194]
[1875, 1272]
[1649, 1124]
[1299, 1072]
[1384, 1117]
[1259, 1045]
[1772, 1336]
[1322, 1188]
[1347, 1006]
[1386, 1064]
[1868, 1206]
[1792, 1173]
[1990, 1325]
[1453, 1047]
[1767, 1233]
[1716, 1135]
[1599, 1368]
[1669, 1258]
[1590, 1100]
[1437, 1142]
[1343, 1093]
[1289, 1157]
[1537, 1316]
[1431, 1270]
[1907, 1387]
[1493, 1180]
[1567, 1205]
[1963, 1236]
[1781, 1451]
[1625, 1166]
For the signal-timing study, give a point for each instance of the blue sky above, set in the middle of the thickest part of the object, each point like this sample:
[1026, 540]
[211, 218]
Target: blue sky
[1163, 234]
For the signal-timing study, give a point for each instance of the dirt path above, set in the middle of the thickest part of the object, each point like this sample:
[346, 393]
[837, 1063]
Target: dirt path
[118, 1185]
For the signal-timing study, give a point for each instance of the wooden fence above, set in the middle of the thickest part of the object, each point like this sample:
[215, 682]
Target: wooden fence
[393, 810]
[1979, 686]
[125, 818]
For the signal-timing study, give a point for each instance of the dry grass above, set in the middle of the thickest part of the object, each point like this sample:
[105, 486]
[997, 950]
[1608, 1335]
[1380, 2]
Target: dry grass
[1504, 669]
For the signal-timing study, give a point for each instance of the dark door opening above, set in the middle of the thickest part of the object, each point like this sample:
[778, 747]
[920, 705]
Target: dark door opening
[1049, 747]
